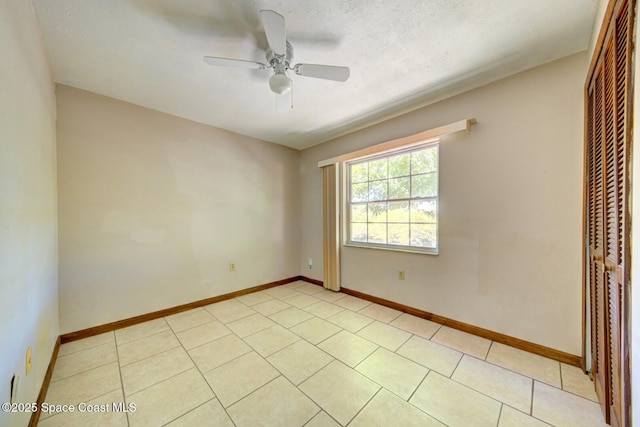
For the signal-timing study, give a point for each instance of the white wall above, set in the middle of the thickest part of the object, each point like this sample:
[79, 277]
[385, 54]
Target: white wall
[597, 24]
[510, 210]
[153, 208]
[28, 215]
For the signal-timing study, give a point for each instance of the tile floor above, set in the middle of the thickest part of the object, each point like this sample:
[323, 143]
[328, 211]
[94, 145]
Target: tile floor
[299, 355]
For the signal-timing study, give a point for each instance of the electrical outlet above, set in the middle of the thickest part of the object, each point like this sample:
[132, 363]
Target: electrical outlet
[232, 266]
[401, 275]
[310, 263]
[28, 360]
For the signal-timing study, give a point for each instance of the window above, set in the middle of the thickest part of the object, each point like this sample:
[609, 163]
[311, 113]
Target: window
[392, 200]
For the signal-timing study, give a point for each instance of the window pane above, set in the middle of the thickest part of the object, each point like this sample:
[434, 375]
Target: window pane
[360, 172]
[393, 201]
[399, 234]
[424, 185]
[399, 165]
[378, 190]
[399, 188]
[423, 211]
[398, 211]
[377, 212]
[377, 233]
[358, 213]
[359, 192]
[424, 161]
[358, 232]
[423, 235]
[378, 169]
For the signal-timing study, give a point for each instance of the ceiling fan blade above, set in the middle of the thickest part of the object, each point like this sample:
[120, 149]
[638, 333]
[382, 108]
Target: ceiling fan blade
[228, 62]
[327, 72]
[284, 102]
[275, 30]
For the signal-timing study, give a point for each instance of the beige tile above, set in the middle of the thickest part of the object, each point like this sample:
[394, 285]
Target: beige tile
[250, 325]
[218, 352]
[529, 364]
[187, 320]
[347, 347]
[395, 373]
[431, 355]
[560, 408]
[350, 321]
[329, 296]
[271, 340]
[421, 327]
[386, 336]
[154, 369]
[299, 361]
[281, 292]
[224, 305]
[236, 379]
[323, 309]
[315, 330]
[170, 399]
[340, 391]
[510, 417]
[501, 384]
[210, 414]
[302, 300]
[295, 285]
[291, 317]
[84, 386]
[352, 303]
[96, 412]
[277, 403]
[462, 341]
[84, 360]
[380, 312]
[86, 343]
[145, 347]
[454, 404]
[269, 307]
[254, 298]
[386, 409]
[229, 310]
[202, 334]
[322, 420]
[142, 330]
[310, 289]
[577, 382]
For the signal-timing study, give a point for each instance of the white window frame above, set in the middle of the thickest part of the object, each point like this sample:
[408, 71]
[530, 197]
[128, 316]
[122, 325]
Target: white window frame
[347, 205]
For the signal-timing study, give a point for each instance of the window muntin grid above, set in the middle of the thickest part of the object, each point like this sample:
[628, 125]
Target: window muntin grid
[392, 200]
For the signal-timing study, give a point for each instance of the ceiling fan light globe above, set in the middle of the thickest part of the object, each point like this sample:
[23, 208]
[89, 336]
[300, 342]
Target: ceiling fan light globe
[280, 83]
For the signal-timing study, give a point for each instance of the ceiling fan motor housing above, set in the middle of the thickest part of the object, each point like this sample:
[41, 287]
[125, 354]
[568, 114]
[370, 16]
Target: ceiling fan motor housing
[284, 60]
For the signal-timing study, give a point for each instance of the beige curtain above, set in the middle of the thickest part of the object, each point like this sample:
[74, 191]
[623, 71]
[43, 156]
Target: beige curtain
[331, 227]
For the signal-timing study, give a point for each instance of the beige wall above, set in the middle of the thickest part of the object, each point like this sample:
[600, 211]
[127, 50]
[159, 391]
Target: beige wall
[28, 216]
[153, 208]
[510, 210]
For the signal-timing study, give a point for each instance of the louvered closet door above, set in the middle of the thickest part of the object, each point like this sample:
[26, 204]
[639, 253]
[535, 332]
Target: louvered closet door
[608, 131]
[600, 359]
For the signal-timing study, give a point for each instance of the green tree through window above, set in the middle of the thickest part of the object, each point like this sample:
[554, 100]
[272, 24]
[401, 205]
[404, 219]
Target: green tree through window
[393, 200]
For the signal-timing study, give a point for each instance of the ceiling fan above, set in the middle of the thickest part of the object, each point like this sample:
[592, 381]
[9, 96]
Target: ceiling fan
[279, 56]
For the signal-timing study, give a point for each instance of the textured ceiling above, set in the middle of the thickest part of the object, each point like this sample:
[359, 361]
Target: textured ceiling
[403, 54]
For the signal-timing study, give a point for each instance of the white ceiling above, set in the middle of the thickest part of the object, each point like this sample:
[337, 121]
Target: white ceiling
[403, 54]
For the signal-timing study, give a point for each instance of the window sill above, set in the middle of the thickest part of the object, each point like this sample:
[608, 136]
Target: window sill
[400, 249]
